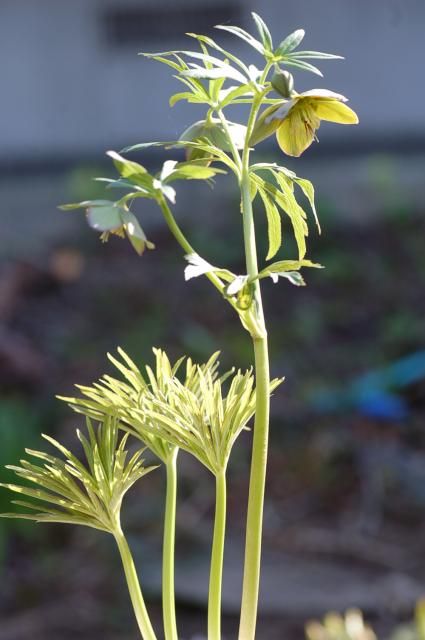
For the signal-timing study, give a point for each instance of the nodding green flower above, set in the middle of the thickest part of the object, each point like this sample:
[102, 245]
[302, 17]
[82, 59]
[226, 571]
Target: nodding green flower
[296, 121]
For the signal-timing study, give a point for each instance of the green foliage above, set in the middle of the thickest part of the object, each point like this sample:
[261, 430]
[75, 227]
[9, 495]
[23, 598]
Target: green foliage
[165, 413]
[287, 269]
[201, 420]
[71, 492]
[121, 397]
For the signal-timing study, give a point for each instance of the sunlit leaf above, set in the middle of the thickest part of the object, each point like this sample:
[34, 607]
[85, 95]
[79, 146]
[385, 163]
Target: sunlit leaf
[244, 35]
[308, 190]
[217, 72]
[319, 55]
[264, 32]
[304, 66]
[273, 224]
[291, 42]
[85, 204]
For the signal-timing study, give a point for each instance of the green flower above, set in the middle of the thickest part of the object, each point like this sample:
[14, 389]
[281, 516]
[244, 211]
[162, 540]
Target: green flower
[296, 121]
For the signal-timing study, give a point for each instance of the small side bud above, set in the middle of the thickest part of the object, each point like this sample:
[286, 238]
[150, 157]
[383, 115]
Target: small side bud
[283, 83]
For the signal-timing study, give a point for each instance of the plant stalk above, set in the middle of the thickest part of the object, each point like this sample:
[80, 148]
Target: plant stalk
[216, 570]
[254, 525]
[185, 244]
[133, 584]
[168, 597]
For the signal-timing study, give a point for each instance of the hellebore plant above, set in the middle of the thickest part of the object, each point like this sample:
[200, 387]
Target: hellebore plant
[186, 405]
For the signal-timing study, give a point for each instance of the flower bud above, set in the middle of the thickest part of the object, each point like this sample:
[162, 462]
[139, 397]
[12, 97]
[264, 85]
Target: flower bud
[283, 83]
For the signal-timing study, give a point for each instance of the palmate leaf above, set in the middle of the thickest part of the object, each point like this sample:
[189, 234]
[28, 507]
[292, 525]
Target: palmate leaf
[70, 491]
[120, 398]
[244, 35]
[225, 71]
[319, 55]
[205, 424]
[210, 42]
[290, 43]
[288, 269]
[308, 190]
[286, 54]
[264, 32]
[273, 222]
[283, 196]
[304, 66]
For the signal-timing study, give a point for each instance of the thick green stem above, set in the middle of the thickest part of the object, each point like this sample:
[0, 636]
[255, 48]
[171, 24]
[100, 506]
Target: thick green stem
[168, 598]
[254, 523]
[216, 570]
[254, 526]
[135, 592]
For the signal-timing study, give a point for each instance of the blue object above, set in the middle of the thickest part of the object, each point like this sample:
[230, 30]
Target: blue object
[375, 394]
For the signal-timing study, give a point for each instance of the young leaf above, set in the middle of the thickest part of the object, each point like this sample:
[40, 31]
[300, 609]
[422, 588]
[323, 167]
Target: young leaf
[127, 168]
[282, 266]
[244, 35]
[308, 190]
[288, 269]
[291, 42]
[214, 45]
[294, 277]
[304, 66]
[273, 224]
[189, 171]
[83, 205]
[225, 71]
[319, 55]
[186, 95]
[227, 96]
[288, 203]
[264, 32]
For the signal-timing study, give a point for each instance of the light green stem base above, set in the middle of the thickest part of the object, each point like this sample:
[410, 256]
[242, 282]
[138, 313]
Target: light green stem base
[216, 570]
[254, 526]
[168, 597]
[135, 592]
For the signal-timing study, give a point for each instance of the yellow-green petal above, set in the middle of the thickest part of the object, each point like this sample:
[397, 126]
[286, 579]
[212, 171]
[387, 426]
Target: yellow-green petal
[335, 111]
[295, 134]
[265, 126]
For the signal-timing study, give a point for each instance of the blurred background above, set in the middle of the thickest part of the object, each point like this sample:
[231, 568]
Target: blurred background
[345, 510]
